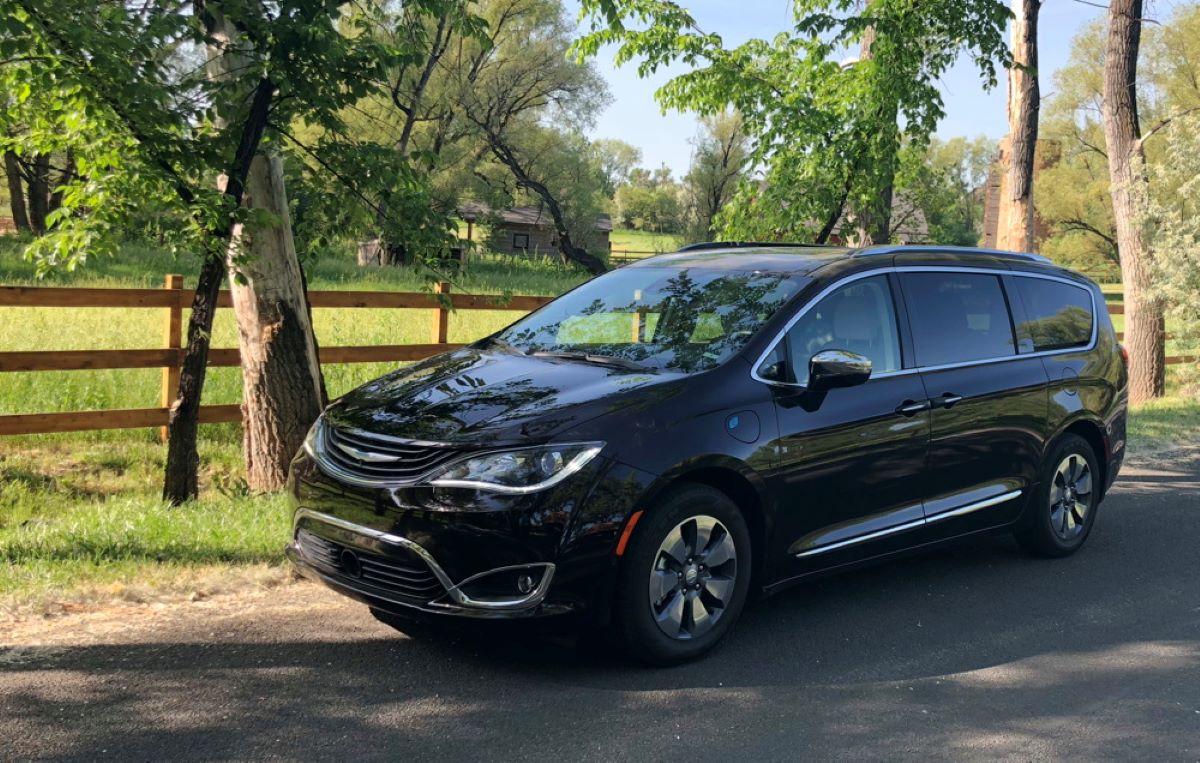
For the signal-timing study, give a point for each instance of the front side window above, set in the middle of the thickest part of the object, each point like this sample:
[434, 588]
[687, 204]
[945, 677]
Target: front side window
[859, 317]
[664, 318]
[957, 317]
[1057, 315]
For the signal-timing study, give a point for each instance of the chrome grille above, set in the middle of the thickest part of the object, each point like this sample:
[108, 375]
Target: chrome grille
[384, 460]
[407, 576]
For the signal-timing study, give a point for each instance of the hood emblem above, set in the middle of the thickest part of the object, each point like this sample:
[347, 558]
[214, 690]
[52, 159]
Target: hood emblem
[365, 456]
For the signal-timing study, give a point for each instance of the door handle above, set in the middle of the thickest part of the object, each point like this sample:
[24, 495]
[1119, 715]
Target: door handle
[947, 400]
[911, 408]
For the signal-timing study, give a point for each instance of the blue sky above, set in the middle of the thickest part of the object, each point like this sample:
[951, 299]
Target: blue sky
[636, 118]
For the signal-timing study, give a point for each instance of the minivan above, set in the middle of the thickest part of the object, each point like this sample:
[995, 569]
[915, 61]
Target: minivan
[653, 449]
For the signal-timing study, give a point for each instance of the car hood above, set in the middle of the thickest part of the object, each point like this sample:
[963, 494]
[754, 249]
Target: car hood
[494, 397]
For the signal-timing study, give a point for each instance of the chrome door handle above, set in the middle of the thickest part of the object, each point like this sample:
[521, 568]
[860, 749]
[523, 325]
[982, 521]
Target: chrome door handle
[947, 400]
[912, 408]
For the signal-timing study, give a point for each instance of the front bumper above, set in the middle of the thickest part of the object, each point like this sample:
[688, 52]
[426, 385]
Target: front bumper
[420, 549]
[389, 571]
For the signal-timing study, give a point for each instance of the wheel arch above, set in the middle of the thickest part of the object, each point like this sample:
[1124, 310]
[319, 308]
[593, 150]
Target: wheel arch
[1092, 431]
[740, 484]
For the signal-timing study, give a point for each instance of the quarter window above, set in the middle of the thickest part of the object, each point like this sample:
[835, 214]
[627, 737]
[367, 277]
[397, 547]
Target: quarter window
[1058, 315]
[859, 317]
[957, 317]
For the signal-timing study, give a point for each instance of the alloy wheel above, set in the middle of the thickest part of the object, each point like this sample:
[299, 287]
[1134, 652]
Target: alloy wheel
[1070, 497]
[692, 578]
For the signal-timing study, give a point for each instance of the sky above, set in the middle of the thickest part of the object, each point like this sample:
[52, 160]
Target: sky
[636, 118]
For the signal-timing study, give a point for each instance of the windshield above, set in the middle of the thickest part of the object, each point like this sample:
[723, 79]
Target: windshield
[674, 319]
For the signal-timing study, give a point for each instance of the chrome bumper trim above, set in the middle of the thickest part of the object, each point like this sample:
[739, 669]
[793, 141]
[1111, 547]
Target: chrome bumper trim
[453, 590]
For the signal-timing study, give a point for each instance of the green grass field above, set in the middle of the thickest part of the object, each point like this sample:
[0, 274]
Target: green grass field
[638, 242]
[80, 515]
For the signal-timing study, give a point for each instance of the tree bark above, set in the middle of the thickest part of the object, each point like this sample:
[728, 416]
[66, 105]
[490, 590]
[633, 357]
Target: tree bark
[1016, 223]
[1144, 326]
[280, 373]
[39, 193]
[16, 192]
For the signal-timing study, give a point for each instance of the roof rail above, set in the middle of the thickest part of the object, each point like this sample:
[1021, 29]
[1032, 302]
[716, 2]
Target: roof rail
[743, 244]
[896, 249]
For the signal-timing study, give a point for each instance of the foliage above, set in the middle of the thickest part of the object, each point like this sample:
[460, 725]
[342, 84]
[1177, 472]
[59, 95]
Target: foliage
[649, 202]
[1072, 188]
[945, 183]
[617, 160]
[1173, 232]
[720, 159]
[825, 135]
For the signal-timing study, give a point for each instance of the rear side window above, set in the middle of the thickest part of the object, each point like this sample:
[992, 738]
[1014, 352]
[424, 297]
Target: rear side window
[1058, 315]
[957, 317]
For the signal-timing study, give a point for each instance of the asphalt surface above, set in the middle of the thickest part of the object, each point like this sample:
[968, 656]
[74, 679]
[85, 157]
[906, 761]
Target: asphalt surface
[967, 653]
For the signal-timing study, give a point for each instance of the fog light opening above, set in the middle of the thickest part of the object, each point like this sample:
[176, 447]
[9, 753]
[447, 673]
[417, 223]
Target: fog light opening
[525, 583]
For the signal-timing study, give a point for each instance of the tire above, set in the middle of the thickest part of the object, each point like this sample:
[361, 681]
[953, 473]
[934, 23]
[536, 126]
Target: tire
[1056, 525]
[695, 604]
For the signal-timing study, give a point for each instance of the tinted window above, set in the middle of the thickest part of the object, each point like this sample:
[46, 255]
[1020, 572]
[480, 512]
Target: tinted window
[1058, 315]
[858, 317]
[957, 317]
[673, 319]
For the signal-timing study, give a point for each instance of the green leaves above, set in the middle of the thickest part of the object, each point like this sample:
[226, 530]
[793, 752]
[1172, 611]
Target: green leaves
[825, 136]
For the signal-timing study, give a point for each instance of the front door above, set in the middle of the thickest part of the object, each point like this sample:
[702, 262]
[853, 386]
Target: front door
[850, 461]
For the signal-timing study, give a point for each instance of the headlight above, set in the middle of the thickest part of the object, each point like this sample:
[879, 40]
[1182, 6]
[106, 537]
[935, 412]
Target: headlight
[526, 470]
[310, 439]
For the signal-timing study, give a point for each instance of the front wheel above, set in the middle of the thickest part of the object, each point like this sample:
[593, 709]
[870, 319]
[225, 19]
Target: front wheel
[685, 576]
[1064, 509]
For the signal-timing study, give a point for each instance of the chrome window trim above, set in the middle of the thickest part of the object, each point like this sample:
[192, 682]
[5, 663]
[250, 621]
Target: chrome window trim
[914, 524]
[929, 269]
[452, 589]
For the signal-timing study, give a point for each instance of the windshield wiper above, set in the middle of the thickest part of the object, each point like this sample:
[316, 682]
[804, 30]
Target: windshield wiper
[586, 357]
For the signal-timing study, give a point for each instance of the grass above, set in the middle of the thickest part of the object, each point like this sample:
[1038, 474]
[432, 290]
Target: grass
[1164, 423]
[627, 240]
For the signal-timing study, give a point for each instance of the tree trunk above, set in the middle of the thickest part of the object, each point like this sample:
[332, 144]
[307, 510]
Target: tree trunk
[873, 223]
[1015, 230]
[39, 193]
[64, 177]
[1144, 328]
[181, 476]
[280, 374]
[16, 192]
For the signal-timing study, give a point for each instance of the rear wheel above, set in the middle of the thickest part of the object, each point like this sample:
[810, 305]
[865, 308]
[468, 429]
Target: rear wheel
[1064, 509]
[684, 577]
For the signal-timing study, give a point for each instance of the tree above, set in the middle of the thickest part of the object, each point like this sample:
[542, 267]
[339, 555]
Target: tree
[720, 157]
[944, 182]
[826, 136]
[617, 159]
[1144, 328]
[530, 80]
[149, 128]
[1173, 222]
[1015, 225]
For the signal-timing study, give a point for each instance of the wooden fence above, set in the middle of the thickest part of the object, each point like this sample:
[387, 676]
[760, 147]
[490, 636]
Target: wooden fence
[174, 299]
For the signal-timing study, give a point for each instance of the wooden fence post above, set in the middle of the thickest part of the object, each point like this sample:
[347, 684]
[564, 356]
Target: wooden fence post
[173, 336]
[441, 318]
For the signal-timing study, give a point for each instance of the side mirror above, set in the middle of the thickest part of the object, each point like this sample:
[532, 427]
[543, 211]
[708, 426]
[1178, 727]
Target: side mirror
[831, 369]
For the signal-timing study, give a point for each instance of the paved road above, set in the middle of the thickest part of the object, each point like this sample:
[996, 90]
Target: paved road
[975, 652]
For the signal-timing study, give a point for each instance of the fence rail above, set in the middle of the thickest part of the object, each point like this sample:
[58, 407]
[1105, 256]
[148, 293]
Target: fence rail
[175, 299]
